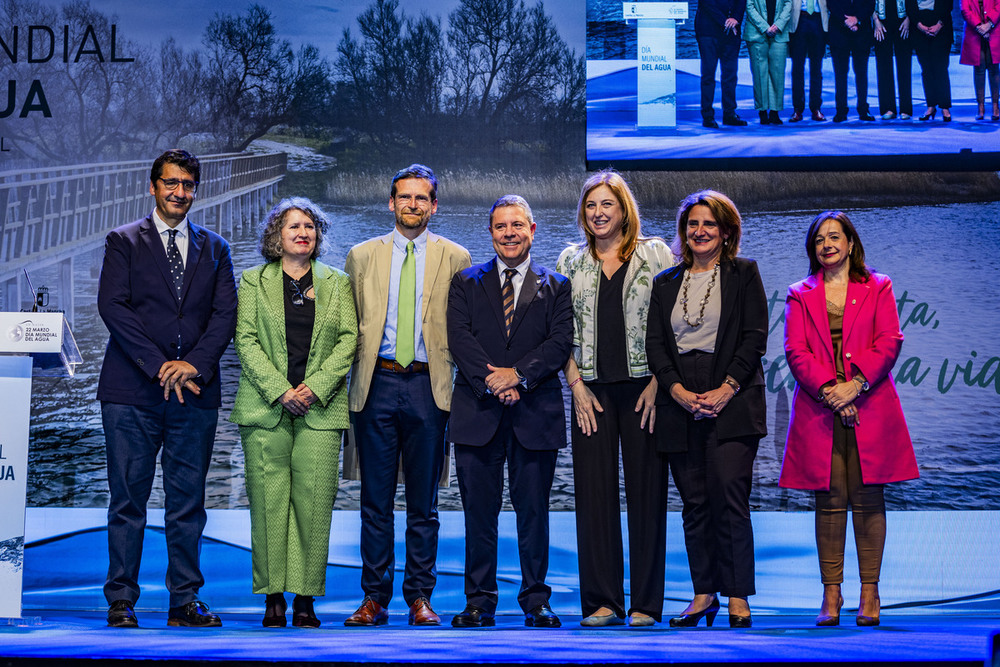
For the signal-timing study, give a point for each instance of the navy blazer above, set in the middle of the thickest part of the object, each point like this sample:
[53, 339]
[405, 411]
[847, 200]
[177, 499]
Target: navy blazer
[739, 346]
[139, 305]
[539, 346]
[711, 15]
[860, 9]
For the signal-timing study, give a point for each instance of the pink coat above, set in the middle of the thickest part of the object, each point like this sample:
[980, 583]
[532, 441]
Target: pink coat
[974, 15]
[871, 342]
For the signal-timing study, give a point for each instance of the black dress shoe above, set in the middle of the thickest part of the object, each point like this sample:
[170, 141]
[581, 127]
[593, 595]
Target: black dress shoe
[764, 118]
[473, 617]
[774, 118]
[274, 611]
[839, 117]
[194, 614]
[541, 616]
[733, 121]
[866, 116]
[121, 614]
[710, 123]
[304, 616]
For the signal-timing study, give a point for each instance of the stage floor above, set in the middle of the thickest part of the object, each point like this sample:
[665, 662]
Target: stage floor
[78, 637]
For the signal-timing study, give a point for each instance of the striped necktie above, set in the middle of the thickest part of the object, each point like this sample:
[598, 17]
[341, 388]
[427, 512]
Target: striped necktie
[508, 298]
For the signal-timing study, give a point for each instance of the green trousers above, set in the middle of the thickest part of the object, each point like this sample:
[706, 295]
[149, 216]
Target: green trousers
[291, 476]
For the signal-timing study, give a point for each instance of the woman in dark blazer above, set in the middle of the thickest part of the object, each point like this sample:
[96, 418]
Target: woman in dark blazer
[296, 333]
[931, 32]
[706, 334]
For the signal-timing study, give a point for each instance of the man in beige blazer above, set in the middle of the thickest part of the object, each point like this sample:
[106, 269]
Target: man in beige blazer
[400, 392]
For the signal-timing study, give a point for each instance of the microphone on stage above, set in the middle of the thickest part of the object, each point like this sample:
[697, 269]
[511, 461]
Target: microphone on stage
[35, 298]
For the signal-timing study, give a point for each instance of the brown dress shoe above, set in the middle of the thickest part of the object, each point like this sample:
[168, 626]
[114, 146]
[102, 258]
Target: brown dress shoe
[368, 614]
[818, 116]
[422, 614]
[796, 117]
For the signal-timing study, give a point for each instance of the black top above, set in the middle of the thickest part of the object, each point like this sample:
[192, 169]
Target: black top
[298, 324]
[612, 360]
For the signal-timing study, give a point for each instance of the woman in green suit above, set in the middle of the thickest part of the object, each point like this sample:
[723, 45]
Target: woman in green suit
[766, 34]
[295, 336]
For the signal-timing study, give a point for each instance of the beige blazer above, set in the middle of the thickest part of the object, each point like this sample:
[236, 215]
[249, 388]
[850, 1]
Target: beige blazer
[368, 266]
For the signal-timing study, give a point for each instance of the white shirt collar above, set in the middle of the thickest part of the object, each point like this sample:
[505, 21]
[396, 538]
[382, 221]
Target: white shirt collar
[521, 268]
[162, 227]
[400, 241]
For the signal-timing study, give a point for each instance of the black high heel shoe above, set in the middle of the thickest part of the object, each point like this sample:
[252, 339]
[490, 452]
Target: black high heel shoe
[274, 611]
[691, 620]
[929, 115]
[304, 616]
[736, 621]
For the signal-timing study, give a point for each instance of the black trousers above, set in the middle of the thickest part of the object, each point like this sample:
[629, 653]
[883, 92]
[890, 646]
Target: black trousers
[722, 52]
[713, 477]
[850, 50]
[598, 517]
[480, 481]
[933, 54]
[808, 41]
[894, 47]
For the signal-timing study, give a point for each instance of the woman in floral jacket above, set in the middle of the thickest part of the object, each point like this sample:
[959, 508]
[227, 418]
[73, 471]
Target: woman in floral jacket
[614, 402]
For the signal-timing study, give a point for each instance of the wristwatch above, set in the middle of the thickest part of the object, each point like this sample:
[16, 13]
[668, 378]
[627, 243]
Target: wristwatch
[863, 384]
[521, 380]
[732, 383]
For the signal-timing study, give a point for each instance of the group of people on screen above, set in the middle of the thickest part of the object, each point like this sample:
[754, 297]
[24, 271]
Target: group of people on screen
[894, 29]
[412, 347]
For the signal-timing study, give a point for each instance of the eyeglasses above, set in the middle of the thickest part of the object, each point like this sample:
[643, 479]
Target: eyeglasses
[172, 183]
[299, 298]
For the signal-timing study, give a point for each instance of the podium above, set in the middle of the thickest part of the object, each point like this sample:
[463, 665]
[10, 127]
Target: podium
[657, 67]
[39, 344]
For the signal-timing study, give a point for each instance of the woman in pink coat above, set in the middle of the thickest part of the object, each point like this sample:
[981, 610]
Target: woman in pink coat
[981, 49]
[842, 338]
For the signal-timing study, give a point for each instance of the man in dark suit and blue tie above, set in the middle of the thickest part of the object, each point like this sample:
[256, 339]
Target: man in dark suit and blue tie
[510, 330]
[168, 298]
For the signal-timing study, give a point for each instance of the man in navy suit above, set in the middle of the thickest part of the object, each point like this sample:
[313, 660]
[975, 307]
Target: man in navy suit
[717, 31]
[510, 330]
[168, 298]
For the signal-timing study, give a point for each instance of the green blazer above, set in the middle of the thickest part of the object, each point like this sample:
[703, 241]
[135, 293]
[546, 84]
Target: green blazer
[757, 25]
[263, 352]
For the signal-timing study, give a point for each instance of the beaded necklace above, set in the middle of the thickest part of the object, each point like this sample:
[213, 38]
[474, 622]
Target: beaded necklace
[704, 301]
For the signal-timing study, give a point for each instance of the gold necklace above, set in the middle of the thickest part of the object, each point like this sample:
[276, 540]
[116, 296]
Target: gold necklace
[684, 297]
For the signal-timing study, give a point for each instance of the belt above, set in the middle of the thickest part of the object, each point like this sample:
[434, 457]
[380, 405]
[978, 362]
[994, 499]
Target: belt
[396, 367]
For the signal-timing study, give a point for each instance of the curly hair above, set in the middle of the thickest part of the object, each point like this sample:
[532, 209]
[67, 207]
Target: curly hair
[270, 229]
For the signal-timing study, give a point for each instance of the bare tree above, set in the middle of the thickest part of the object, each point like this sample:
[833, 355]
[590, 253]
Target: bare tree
[183, 81]
[254, 79]
[504, 53]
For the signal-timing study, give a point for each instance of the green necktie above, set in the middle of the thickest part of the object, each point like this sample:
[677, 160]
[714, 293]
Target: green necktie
[810, 6]
[405, 309]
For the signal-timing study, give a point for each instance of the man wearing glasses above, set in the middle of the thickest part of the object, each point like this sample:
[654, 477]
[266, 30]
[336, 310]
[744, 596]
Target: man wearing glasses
[168, 298]
[400, 393]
